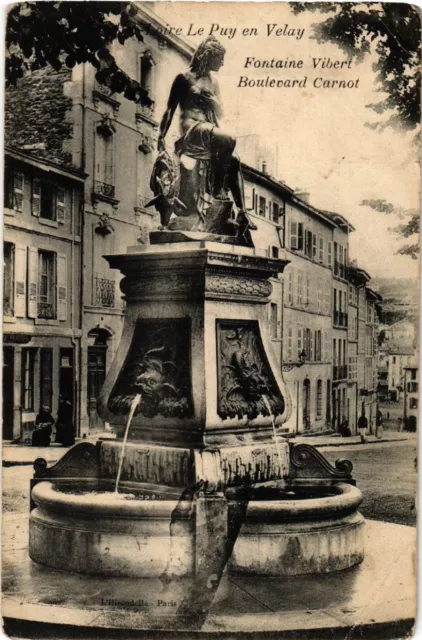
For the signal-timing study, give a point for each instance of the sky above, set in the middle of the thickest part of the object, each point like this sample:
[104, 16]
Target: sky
[323, 144]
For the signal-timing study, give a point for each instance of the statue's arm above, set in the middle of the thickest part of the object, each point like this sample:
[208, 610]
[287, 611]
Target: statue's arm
[177, 91]
[218, 102]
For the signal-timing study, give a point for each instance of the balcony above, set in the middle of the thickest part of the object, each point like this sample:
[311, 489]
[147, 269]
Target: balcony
[340, 318]
[104, 292]
[46, 311]
[340, 270]
[103, 189]
[340, 372]
[145, 113]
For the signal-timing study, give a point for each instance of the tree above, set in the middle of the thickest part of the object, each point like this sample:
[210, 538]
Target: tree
[41, 34]
[393, 32]
[410, 226]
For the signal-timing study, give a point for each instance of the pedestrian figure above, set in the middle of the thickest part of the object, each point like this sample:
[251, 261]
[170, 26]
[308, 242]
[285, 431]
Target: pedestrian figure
[378, 427]
[362, 426]
[400, 421]
[388, 415]
[64, 424]
[43, 427]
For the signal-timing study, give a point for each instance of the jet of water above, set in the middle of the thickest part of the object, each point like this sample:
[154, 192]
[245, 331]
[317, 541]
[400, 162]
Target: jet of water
[275, 436]
[136, 400]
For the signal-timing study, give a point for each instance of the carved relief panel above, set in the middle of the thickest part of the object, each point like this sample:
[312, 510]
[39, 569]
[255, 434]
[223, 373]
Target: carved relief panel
[244, 372]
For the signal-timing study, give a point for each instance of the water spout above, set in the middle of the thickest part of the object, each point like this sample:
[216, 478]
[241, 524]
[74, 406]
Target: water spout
[275, 436]
[136, 400]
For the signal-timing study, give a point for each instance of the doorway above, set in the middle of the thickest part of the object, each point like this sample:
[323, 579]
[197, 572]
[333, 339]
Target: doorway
[96, 377]
[8, 379]
[306, 405]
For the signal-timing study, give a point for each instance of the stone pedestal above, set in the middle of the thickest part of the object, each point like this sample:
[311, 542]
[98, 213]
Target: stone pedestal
[195, 345]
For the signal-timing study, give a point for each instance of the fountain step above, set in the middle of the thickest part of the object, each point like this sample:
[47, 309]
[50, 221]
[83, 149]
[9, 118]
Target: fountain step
[363, 600]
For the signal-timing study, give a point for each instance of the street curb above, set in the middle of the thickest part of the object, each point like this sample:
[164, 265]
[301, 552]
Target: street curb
[353, 444]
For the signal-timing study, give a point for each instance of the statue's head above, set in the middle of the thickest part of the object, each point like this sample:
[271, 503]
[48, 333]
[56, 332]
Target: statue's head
[209, 56]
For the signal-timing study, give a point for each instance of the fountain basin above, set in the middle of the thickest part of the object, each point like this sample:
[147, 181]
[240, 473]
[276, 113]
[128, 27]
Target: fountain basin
[108, 535]
[301, 534]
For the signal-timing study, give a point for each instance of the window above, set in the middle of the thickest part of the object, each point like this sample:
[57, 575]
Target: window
[308, 290]
[274, 314]
[48, 201]
[145, 68]
[13, 192]
[314, 247]
[413, 403]
[300, 236]
[300, 288]
[293, 236]
[299, 341]
[319, 399]
[262, 206]
[319, 296]
[274, 252]
[321, 250]
[412, 387]
[318, 346]
[290, 286]
[330, 254]
[290, 343]
[46, 284]
[308, 244]
[8, 278]
[394, 359]
[28, 371]
[46, 376]
[104, 158]
[275, 212]
[309, 344]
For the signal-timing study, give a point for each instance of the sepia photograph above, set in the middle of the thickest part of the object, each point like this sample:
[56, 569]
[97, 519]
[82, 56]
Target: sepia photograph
[211, 297]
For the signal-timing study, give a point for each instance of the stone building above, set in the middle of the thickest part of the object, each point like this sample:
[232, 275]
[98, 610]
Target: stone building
[79, 123]
[411, 395]
[41, 288]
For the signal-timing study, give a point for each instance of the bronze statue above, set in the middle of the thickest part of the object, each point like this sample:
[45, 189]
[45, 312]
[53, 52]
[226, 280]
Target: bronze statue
[207, 167]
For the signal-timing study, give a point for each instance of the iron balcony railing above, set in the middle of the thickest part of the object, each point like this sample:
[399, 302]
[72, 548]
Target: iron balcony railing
[340, 372]
[104, 189]
[104, 292]
[340, 318]
[46, 311]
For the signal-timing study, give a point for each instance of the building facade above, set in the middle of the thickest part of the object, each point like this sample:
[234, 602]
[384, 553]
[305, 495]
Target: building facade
[70, 118]
[41, 290]
[411, 395]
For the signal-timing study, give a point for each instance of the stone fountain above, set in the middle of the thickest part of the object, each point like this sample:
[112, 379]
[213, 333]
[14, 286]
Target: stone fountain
[195, 347]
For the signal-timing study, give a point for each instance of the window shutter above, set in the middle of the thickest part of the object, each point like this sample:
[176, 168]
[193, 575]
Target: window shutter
[293, 235]
[36, 197]
[18, 182]
[314, 246]
[300, 236]
[20, 281]
[330, 254]
[61, 205]
[299, 341]
[32, 282]
[61, 286]
[311, 345]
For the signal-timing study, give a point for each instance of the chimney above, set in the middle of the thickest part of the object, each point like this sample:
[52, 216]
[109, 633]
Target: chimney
[303, 195]
[264, 166]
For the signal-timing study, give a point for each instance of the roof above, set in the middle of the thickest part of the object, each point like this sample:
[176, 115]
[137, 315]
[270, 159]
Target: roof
[400, 350]
[44, 163]
[265, 180]
[373, 295]
[339, 220]
[358, 276]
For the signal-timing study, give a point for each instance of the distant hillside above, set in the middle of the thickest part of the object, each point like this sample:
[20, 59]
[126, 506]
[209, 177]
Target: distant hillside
[400, 298]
